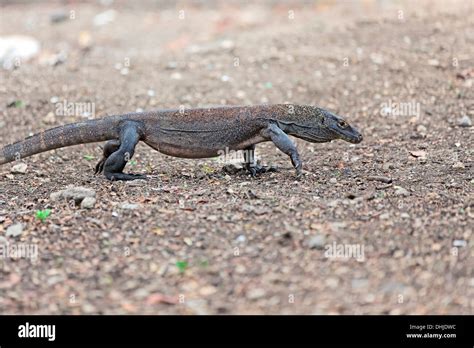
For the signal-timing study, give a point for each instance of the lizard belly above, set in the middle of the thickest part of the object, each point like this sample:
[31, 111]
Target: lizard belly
[182, 151]
[201, 144]
[199, 152]
[177, 151]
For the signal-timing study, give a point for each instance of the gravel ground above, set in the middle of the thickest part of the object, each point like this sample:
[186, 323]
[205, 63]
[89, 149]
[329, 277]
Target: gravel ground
[194, 239]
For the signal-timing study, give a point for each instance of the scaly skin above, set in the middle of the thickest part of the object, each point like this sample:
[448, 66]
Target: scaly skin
[192, 133]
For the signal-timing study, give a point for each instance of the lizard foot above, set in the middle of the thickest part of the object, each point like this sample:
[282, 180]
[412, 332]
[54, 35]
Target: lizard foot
[124, 177]
[258, 169]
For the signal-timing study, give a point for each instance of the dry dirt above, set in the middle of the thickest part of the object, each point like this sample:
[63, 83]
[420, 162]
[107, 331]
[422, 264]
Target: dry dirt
[194, 239]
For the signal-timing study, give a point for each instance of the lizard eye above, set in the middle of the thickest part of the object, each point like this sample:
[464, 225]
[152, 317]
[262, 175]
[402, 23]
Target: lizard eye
[342, 124]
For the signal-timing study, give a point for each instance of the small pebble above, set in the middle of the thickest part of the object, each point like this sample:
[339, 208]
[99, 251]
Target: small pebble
[465, 121]
[459, 243]
[317, 242]
[129, 206]
[400, 191]
[255, 294]
[458, 165]
[88, 203]
[241, 239]
[19, 168]
[384, 179]
[14, 230]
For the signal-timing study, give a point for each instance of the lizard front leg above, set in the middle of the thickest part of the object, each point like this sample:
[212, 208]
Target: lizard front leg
[115, 163]
[284, 144]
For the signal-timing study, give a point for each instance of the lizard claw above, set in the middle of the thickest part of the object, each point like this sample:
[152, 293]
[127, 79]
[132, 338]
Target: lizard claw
[254, 170]
[124, 177]
[99, 167]
[299, 172]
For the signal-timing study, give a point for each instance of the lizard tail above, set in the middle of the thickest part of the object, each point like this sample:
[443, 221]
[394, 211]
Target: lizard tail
[71, 134]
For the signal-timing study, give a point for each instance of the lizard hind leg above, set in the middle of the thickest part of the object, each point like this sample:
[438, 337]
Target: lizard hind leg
[116, 161]
[109, 148]
[251, 165]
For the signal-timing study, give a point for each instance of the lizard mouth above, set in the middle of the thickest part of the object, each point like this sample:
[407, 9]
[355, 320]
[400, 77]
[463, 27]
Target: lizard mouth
[351, 135]
[314, 139]
[353, 139]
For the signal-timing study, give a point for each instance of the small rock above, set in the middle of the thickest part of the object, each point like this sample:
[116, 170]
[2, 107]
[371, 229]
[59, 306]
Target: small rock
[78, 193]
[19, 168]
[388, 166]
[50, 118]
[333, 181]
[418, 154]
[317, 242]
[14, 230]
[458, 165]
[400, 191]
[136, 182]
[88, 203]
[104, 18]
[198, 307]
[398, 254]
[255, 294]
[241, 239]
[332, 282]
[207, 290]
[465, 121]
[171, 65]
[432, 195]
[176, 76]
[384, 179]
[421, 129]
[17, 48]
[129, 206]
[459, 243]
[241, 269]
[58, 17]
[88, 308]
[359, 283]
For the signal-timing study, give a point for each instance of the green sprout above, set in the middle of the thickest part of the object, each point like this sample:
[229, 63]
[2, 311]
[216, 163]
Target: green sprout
[182, 265]
[16, 104]
[89, 157]
[43, 214]
[132, 162]
[207, 169]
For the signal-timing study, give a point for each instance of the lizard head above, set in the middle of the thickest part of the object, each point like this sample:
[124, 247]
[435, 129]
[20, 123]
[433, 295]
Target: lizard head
[318, 125]
[340, 128]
